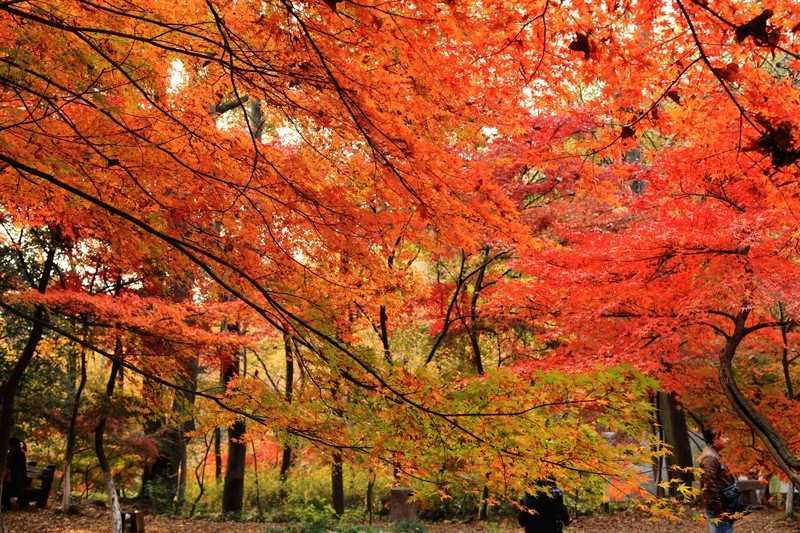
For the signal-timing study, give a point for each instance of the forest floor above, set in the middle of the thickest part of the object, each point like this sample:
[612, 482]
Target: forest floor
[97, 521]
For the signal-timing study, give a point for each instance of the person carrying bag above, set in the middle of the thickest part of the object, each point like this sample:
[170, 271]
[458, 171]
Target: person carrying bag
[721, 497]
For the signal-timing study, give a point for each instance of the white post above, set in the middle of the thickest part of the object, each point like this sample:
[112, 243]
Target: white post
[66, 488]
[113, 503]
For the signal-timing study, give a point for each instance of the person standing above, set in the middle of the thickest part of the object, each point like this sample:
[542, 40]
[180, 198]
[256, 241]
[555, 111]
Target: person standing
[544, 511]
[714, 480]
[16, 475]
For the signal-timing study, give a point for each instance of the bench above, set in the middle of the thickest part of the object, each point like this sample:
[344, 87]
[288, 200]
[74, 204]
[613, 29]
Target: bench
[38, 484]
[133, 521]
[752, 492]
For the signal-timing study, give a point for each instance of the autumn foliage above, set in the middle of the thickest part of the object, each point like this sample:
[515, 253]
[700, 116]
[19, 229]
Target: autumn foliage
[480, 233]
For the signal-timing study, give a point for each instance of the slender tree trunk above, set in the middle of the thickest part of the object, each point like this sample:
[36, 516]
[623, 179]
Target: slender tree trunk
[66, 485]
[474, 339]
[383, 319]
[483, 512]
[217, 455]
[218, 433]
[187, 407]
[180, 499]
[370, 494]
[658, 459]
[9, 389]
[286, 459]
[785, 361]
[255, 477]
[286, 462]
[200, 475]
[789, 508]
[337, 484]
[473, 329]
[233, 487]
[99, 436]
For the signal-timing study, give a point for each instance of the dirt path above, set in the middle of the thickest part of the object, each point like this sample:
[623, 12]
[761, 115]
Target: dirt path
[96, 521]
[759, 522]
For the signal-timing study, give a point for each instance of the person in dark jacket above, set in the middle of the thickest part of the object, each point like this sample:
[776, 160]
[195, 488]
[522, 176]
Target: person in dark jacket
[16, 473]
[714, 479]
[544, 511]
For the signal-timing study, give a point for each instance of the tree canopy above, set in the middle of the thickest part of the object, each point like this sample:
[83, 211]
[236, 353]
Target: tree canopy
[482, 232]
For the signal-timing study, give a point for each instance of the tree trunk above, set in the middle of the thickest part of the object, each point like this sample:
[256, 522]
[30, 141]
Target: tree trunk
[474, 340]
[337, 484]
[160, 479]
[9, 389]
[483, 512]
[66, 484]
[774, 443]
[217, 455]
[255, 477]
[286, 459]
[99, 435]
[785, 361]
[218, 434]
[473, 330]
[790, 500]
[180, 499]
[186, 407]
[370, 494]
[676, 435]
[200, 476]
[383, 319]
[233, 488]
[658, 459]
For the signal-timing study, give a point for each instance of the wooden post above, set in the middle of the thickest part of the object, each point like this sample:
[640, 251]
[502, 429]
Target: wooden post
[400, 509]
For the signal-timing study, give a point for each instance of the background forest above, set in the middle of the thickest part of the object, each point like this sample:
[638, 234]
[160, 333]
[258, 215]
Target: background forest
[267, 260]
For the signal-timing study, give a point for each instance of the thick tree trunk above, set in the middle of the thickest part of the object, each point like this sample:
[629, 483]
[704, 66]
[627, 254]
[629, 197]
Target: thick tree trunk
[160, 479]
[66, 484]
[676, 435]
[337, 484]
[774, 443]
[233, 488]
[9, 389]
[164, 480]
[658, 459]
[99, 436]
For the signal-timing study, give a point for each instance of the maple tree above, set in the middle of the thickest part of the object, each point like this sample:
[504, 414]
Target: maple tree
[443, 211]
[675, 239]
